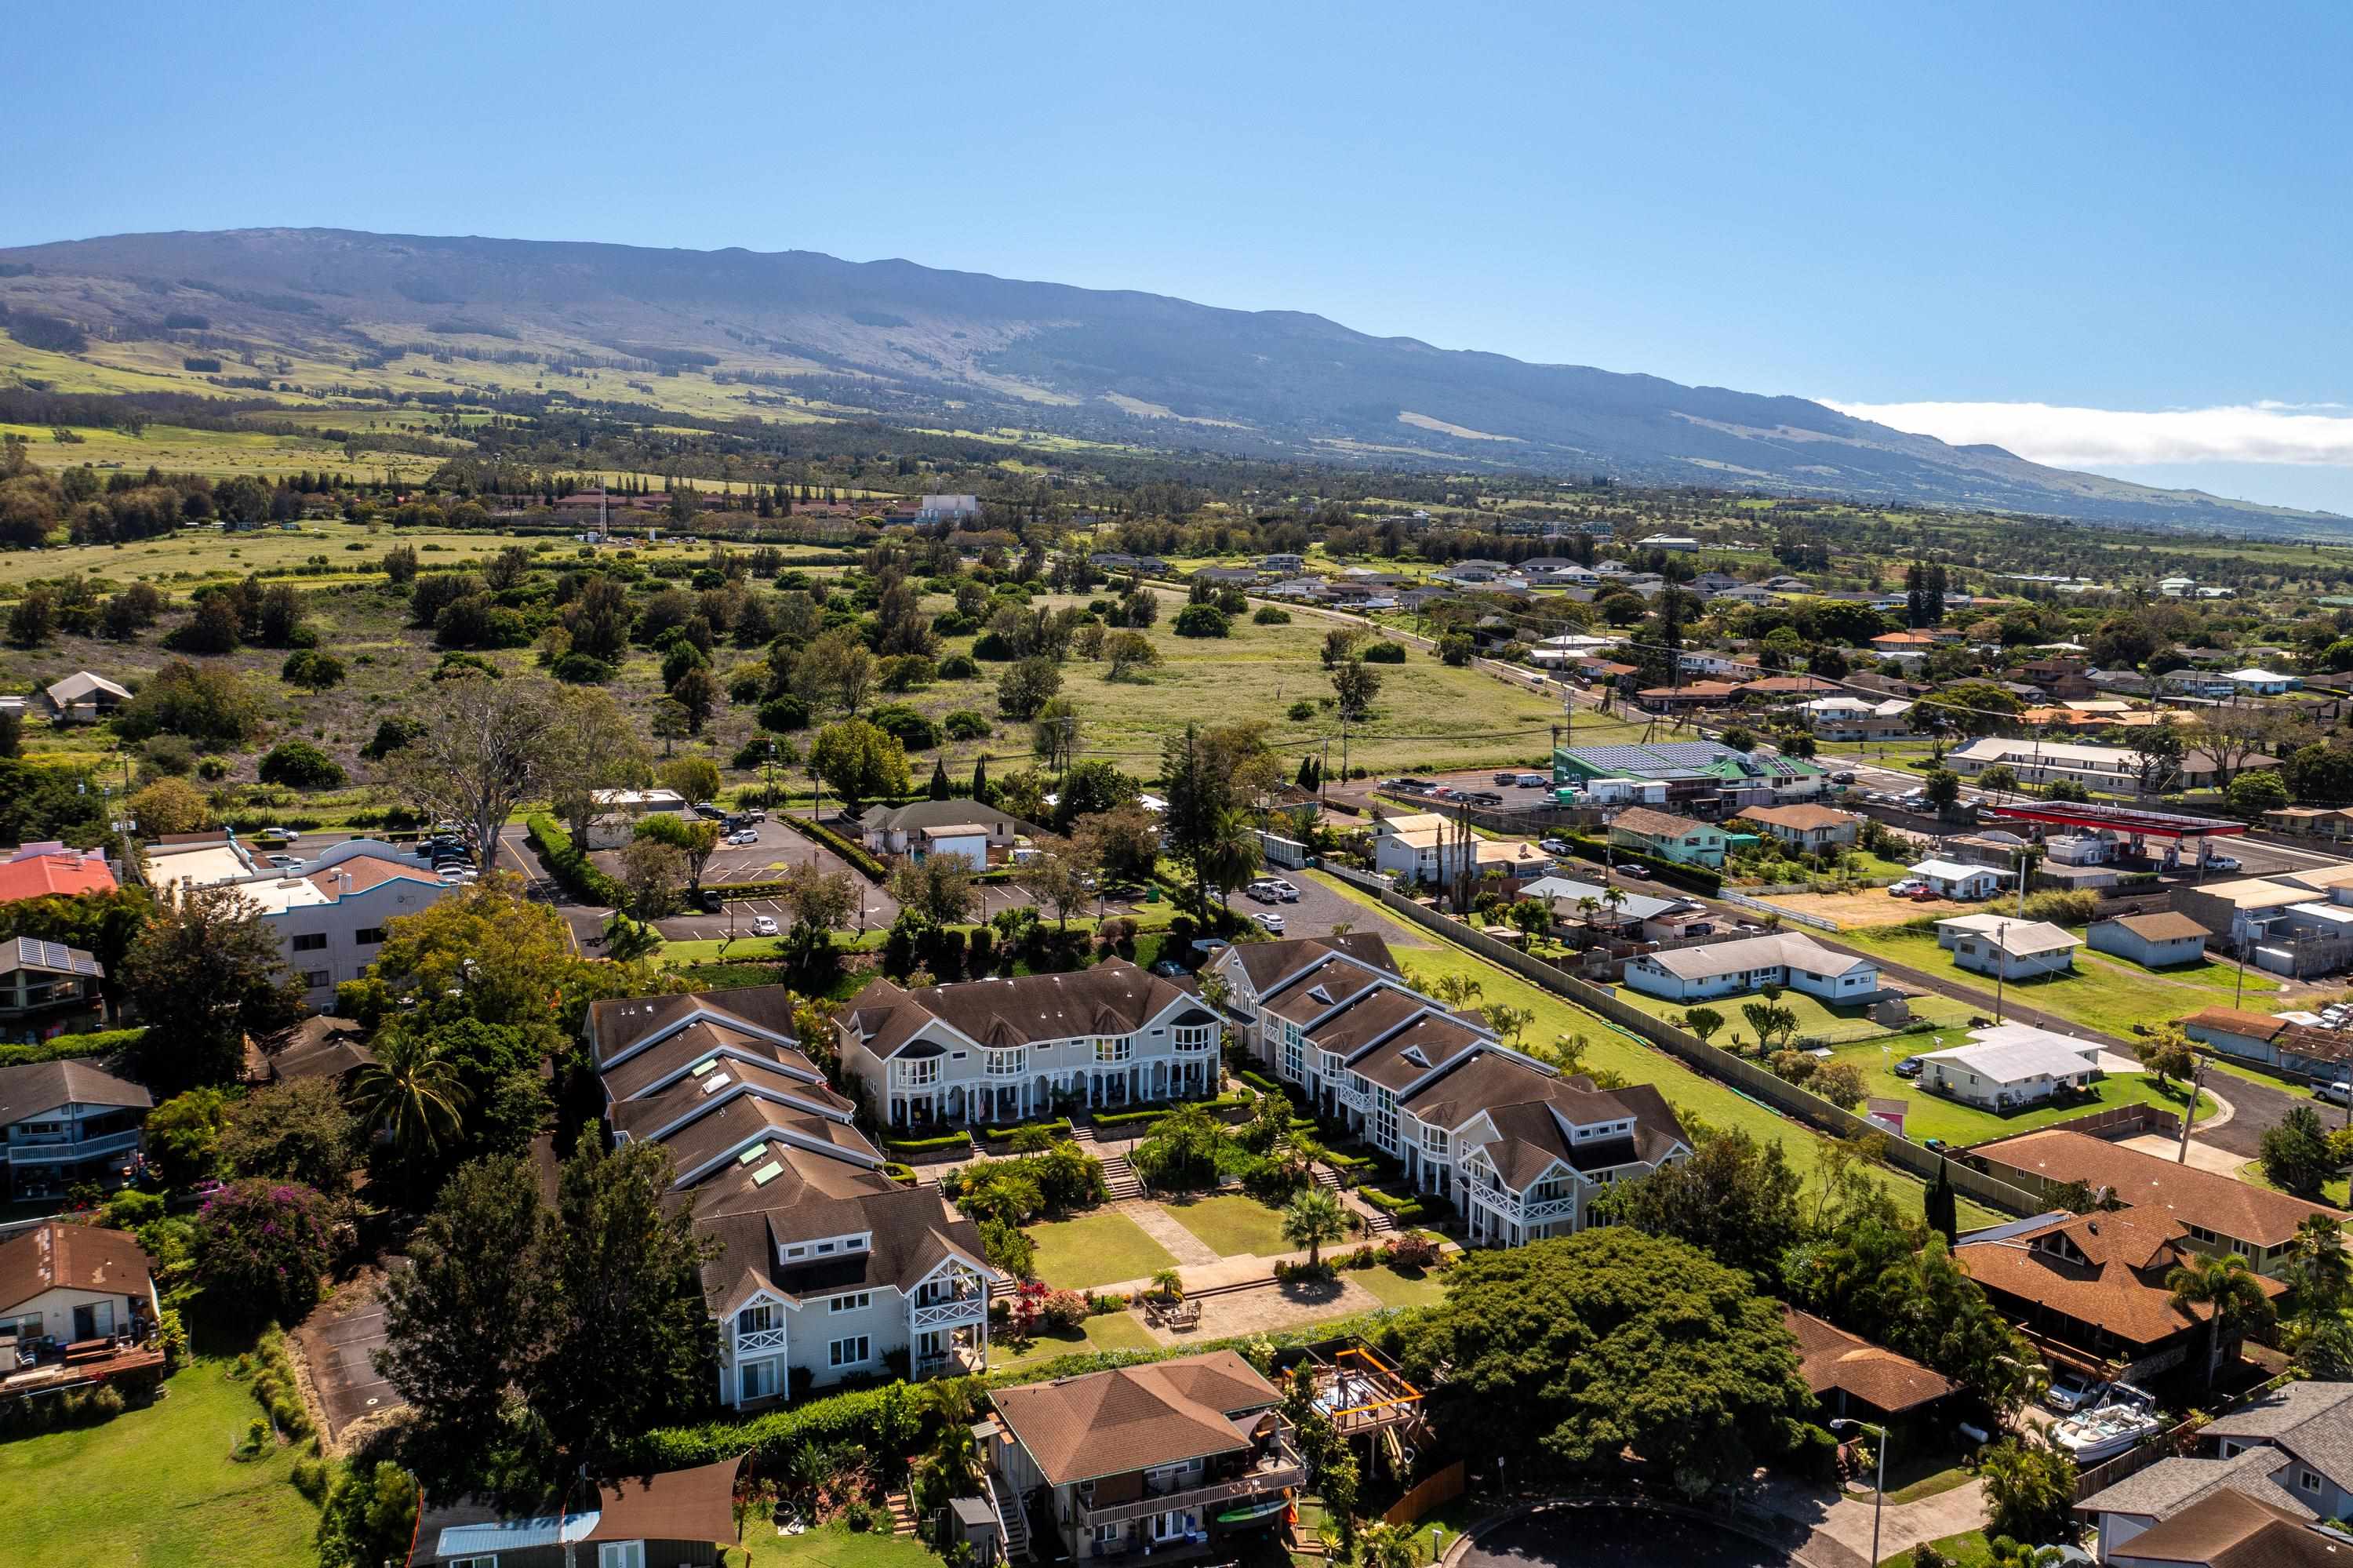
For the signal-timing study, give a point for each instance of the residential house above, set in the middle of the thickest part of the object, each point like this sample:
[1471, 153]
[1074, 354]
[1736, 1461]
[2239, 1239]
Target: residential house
[1428, 846]
[900, 830]
[1679, 543]
[69, 1284]
[1523, 1150]
[2009, 1066]
[2152, 941]
[1771, 689]
[1701, 776]
[1709, 584]
[83, 698]
[320, 1046]
[822, 1267]
[676, 1519]
[1667, 837]
[1747, 593]
[947, 508]
[2182, 1511]
[2217, 1213]
[2325, 1054]
[1011, 1050]
[1954, 879]
[47, 988]
[2090, 1289]
[1902, 644]
[2010, 948]
[2259, 683]
[1809, 828]
[2058, 678]
[1854, 719]
[331, 916]
[2302, 821]
[39, 870]
[1854, 1379]
[1686, 698]
[617, 813]
[1283, 561]
[1155, 1458]
[64, 1123]
[1653, 919]
[2204, 684]
[1738, 968]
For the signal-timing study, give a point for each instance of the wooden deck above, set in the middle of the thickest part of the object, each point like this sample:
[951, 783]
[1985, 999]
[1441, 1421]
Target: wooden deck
[83, 1369]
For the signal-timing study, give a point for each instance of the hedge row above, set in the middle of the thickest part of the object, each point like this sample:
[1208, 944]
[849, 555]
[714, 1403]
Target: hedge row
[1695, 878]
[1153, 1113]
[571, 865]
[855, 854]
[928, 1145]
[1058, 1127]
[71, 1047]
[1402, 1210]
[1260, 1082]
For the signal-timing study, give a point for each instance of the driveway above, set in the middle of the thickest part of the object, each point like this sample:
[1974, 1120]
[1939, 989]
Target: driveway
[2258, 1106]
[337, 1342]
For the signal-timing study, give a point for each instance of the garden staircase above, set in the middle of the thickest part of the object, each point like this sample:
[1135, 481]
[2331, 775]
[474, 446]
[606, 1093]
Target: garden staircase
[1016, 1523]
[1326, 1178]
[1120, 1180]
[1378, 1221]
[903, 1512]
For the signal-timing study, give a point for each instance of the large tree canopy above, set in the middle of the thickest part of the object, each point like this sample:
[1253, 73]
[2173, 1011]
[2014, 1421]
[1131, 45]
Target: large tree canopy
[1565, 1353]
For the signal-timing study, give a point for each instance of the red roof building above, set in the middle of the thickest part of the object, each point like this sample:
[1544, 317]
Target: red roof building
[36, 871]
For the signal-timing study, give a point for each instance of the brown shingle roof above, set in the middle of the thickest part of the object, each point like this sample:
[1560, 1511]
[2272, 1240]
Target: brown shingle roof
[1267, 963]
[1831, 1358]
[1112, 998]
[2144, 1182]
[1656, 824]
[2235, 1020]
[1134, 1418]
[2106, 1269]
[678, 1505]
[37, 1087]
[80, 1257]
[2228, 1529]
[2163, 926]
[1799, 819]
[618, 1024]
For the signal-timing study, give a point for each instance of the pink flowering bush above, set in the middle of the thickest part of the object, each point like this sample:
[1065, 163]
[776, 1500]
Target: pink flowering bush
[262, 1247]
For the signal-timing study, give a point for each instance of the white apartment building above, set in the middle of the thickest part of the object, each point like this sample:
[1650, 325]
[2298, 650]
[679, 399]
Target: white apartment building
[826, 1270]
[332, 915]
[1011, 1050]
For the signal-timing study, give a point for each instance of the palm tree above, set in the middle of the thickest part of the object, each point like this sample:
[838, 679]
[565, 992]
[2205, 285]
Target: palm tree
[1168, 1285]
[1315, 1218]
[1385, 1545]
[2228, 1291]
[1614, 897]
[1231, 858]
[410, 1094]
[2319, 1265]
[1455, 990]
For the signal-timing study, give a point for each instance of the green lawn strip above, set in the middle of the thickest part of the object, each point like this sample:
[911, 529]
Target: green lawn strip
[826, 1546]
[2337, 1191]
[1816, 1019]
[1931, 1116]
[1096, 1249]
[1967, 1550]
[1396, 1290]
[1104, 1331]
[1686, 1089]
[2097, 996]
[155, 1487]
[1232, 1225]
[2207, 975]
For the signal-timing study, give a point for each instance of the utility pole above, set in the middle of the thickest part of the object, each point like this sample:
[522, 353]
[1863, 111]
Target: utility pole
[2000, 965]
[2190, 1111]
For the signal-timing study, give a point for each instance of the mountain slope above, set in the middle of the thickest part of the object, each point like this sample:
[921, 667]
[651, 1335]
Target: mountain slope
[916, 344]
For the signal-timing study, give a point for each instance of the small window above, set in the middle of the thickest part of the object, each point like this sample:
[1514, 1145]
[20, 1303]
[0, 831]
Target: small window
[620, 1554]
[2308, 1481]
[856, 1303]
[311, 942]
[490, 1562]
[849, 1353]
[317, 980]
[369, 936]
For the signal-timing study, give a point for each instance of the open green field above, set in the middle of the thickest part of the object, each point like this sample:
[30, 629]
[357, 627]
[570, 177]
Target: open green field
[827, 1546]
[1097, 1249]
[157, 1488]
[1693, 1095]
[2103, 994]
[1931, 1116]
[1233, 1224]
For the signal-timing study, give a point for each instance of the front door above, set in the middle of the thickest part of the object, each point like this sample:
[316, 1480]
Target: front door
[93, 1320]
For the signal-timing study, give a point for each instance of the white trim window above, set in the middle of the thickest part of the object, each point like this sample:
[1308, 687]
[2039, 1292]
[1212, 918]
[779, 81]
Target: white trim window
[854, 1351]
[1113, 1048]
[490, 1561]
[853, 1303]
[755, 1320]
[760, 1378]
[1295, 1059]
[620, 1554]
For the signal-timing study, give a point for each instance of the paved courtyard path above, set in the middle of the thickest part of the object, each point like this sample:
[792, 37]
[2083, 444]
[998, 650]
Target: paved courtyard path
[1161, 1226]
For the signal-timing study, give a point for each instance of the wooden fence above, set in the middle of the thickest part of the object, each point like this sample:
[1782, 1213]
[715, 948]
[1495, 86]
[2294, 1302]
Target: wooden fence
[1722, 1065]
[1442, 1488]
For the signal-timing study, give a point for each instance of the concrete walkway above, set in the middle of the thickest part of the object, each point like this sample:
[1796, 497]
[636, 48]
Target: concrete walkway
[1902, 1526]
[2204, 1156]
[1161, 1226]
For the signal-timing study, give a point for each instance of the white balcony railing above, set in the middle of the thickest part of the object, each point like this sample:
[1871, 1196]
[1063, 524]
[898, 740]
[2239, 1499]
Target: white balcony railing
[65, 1151]
[956, 1314]
[760, 1340]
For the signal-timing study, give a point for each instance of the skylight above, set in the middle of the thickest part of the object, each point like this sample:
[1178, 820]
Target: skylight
[767, 1174]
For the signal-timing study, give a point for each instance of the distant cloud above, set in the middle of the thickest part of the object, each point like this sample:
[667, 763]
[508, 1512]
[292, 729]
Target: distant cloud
[2306, 434]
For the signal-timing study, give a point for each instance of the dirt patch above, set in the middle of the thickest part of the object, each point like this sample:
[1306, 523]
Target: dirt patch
[1867, 906]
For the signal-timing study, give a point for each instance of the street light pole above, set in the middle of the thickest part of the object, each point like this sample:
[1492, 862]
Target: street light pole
[1879, 1490]
[2001, 964]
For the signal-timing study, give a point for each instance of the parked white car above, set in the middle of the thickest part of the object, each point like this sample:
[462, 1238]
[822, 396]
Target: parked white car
[1270, 922]
[1282, 891]
[743, 836]
[764, 924]
[2336, 1094]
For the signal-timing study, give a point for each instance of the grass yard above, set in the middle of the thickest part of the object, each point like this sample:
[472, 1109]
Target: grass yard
[1107, 1332]
[1932, 1117]
[2336, 1192]
[1394, 1289]
[1817, 1020]
[1233, 1224]
[1967, 1550]
[2099, 995]
[157, 1488]
[1693, 1096]
[2218, 980]
[829, 1546]
[1095, 1249]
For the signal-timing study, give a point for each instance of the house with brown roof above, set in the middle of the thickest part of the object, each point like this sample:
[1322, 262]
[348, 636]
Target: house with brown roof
[331, 914]
[64, 1123]
[1686, 697]
[2219, 1213]
[823, 1267]
[2153, 941]
[2231, 1530]
[1008, 1050]
[1667, 836]
[1162, 1458]
[2323, 1053]
[2289, 1452]
[1852, 1377]
[1810, 828]
[2089, 1290]
[320, 1046]
[677, 1519]
[66, 1287]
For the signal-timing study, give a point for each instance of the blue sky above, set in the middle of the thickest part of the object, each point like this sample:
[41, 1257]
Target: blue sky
[2024, 223]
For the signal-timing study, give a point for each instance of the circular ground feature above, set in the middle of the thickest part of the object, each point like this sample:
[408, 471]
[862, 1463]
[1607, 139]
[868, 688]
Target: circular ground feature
[1620, 1537]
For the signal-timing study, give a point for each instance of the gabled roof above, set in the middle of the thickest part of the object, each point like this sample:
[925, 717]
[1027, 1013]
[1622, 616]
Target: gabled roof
[1830, 1358]
[1270, 964]
[1776, 949]
[2229, 1529]
[2314, 1421]
[1804, 818]
[2170, 1485]
[918, 815]
[2188, 1193]
[1112, 998]
[320, 1046]
[1135, 1419]
[2106, 1269]
[2165, 926]
[617, 1025]
[1652, 824]
[81, 686]
[65, 872]
[2010, 1051]
[52, 1256]
[38, 1086]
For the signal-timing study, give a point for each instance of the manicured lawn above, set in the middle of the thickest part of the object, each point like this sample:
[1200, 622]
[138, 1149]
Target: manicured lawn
[2337, 1191]
[1233, 1224]
[1969, 1550]
[2100, 995]
[1394, 1289]
[1096, 1249]
[157, 1488]
[1930, 1116]
[829, 1546]
[1693, 1095]
[1105, 1332]
[1817, 1020]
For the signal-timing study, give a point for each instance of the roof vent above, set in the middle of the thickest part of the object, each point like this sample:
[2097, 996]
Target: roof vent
[716, 1082]
[767, 1173]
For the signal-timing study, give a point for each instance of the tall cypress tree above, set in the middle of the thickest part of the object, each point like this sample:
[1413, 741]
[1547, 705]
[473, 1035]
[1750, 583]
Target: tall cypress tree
[940, 779]
[980, 786]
